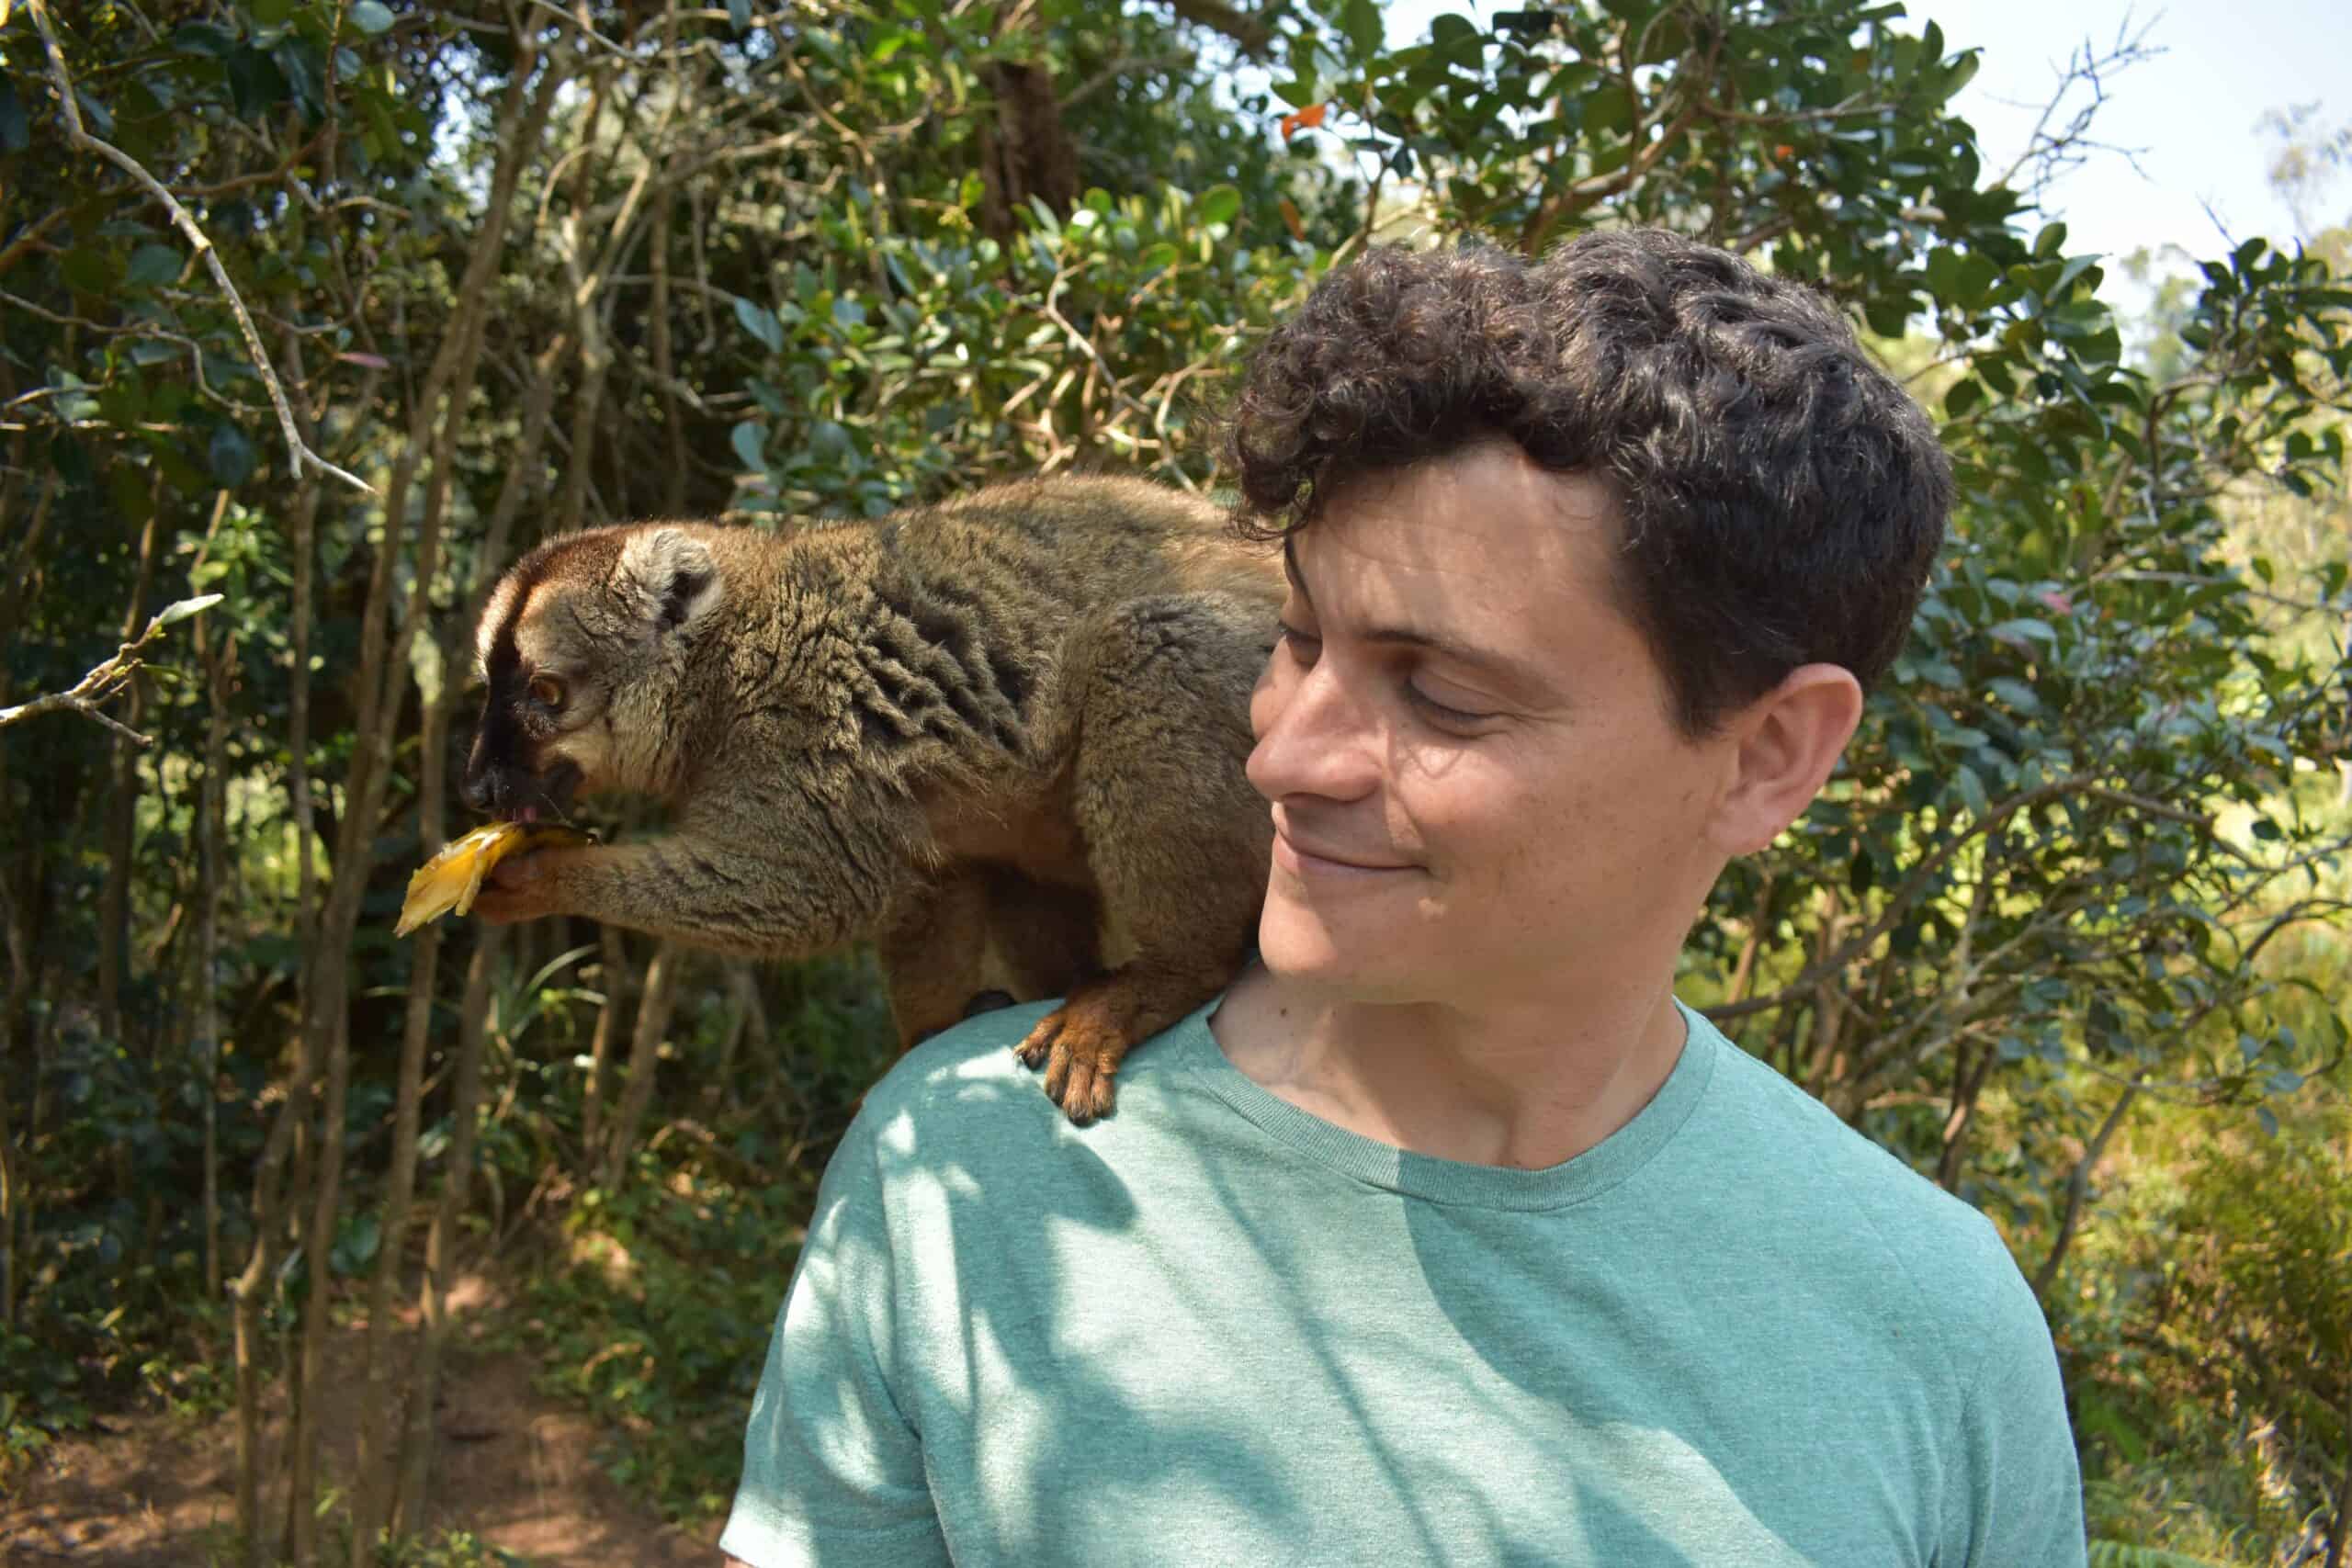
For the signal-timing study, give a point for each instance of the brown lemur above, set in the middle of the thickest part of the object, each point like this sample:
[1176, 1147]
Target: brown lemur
[1010, 726]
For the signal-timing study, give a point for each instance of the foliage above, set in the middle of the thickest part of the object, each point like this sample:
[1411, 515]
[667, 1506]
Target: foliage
[654, 1302]
[521, 269]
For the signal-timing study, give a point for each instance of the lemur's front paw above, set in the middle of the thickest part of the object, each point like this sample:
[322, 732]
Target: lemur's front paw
[522, 887]
[1079, 1044]
[1082, 1043]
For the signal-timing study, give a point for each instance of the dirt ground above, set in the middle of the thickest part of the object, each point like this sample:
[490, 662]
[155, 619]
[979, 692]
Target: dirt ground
[515, 1467]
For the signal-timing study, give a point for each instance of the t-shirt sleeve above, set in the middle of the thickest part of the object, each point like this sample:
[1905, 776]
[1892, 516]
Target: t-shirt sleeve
[832, 1469]
[2023, 1506]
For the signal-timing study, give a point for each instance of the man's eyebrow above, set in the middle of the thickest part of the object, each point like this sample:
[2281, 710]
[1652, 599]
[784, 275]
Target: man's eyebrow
[1517, 673]
[1527, 677]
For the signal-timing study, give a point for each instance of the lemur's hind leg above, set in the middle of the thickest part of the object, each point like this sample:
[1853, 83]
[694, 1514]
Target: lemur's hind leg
[1048, 938]
[933, 953]
[1176, 837]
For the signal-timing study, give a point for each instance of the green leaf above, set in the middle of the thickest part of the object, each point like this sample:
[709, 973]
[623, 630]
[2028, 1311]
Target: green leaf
[231, 455]
[16, 132]
[2015, 692]
[88, 269]
[94, 113]
[1963, 72]
[748, 439]
[151, 265]
[355, 1243]
[203, 38]
[1965, 395]
[1298, 92]
[1451, 30]
[300, 63]
[1972, 792]
[255, 85]
[172, 614]
[1360, 19]
[372, 17]
[2021, 628]
[1220, 204]
[760, 322]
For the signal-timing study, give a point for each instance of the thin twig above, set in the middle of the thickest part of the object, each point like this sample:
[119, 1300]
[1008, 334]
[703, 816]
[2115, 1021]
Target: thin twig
[108, 679]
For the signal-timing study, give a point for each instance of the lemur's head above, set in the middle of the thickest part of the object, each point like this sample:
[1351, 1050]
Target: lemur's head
[583, 647]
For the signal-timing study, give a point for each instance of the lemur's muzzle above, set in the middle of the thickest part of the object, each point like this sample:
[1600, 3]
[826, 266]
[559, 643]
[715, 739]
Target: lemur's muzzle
[509, 791]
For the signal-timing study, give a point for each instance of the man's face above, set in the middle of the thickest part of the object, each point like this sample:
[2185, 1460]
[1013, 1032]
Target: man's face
[1478, 792]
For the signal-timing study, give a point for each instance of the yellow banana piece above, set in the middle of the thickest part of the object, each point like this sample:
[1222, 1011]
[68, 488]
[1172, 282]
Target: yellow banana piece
[451, 879]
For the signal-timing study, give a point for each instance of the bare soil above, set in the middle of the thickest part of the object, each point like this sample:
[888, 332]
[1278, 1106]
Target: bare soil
[515, 1467]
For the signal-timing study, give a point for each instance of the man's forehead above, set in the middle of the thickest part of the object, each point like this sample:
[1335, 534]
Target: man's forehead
[1488, 515]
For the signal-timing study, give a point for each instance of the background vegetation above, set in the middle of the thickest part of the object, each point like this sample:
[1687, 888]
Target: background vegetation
[329, 310]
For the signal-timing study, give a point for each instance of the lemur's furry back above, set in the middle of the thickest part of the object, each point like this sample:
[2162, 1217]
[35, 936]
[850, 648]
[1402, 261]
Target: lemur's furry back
[1011, 727]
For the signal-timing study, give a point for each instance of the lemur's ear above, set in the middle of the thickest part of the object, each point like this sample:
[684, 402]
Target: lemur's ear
[668, 577]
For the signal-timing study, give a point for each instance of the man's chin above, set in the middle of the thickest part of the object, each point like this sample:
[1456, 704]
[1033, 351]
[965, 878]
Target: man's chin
[1298, 948]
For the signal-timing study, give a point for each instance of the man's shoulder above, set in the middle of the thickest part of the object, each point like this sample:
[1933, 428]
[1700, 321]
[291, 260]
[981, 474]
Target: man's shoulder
[966, 1089]
[1857, 1204]
[968, 1073]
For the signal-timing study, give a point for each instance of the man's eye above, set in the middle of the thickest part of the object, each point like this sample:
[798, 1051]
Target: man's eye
[1442, 712]
[547, 692]
[1302, 643]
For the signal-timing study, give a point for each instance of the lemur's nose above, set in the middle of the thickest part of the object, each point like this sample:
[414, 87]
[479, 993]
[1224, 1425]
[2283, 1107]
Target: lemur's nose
[482, 790]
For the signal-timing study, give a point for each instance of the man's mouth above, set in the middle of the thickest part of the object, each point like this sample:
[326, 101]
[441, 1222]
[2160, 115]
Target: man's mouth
[1300, 859]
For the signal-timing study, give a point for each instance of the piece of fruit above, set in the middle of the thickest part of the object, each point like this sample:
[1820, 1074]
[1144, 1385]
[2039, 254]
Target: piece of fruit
[451, 879]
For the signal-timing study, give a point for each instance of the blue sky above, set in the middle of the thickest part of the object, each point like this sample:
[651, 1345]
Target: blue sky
[2189, 114]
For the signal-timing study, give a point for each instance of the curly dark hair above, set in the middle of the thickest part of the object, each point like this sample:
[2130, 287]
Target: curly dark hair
[1783, 498]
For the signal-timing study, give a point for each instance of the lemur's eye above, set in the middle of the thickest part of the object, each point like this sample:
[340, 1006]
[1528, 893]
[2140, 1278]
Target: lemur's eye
[546, 690]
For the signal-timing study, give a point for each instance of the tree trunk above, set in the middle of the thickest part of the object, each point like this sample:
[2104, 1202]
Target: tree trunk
[1969, 1074]
[473, 1027]
[260, 1273]
[122, 809]
[2079, 1188]
[379, 1449]
[2339, 1537]
[653, 1023]
[1025, 151]
[613, 977]
[303, 1436]
[211, 834]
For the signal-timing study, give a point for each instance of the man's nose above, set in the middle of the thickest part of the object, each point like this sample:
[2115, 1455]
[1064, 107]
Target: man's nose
[1319, 737]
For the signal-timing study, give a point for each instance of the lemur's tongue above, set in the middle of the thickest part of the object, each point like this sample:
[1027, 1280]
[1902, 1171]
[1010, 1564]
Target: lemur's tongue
[528, 814]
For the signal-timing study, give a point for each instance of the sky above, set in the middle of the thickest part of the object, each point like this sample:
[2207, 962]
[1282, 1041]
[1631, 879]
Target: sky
[2188, 115]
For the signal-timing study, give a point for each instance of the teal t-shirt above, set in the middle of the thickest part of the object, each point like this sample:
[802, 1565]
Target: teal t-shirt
[1216, 1329]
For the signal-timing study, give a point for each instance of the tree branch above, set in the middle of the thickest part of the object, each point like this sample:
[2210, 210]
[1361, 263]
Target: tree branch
[187, 224]
[1254, 32]
[2078, 1186]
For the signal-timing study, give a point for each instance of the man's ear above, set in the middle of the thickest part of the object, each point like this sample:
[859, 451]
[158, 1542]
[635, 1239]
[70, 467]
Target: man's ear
[668, 577]
[1789, 739]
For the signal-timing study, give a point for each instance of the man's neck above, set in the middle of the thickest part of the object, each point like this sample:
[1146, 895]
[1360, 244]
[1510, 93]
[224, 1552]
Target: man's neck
[1529, 1086]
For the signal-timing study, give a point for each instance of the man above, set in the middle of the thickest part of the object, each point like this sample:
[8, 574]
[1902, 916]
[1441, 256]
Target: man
[1448, 1235]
